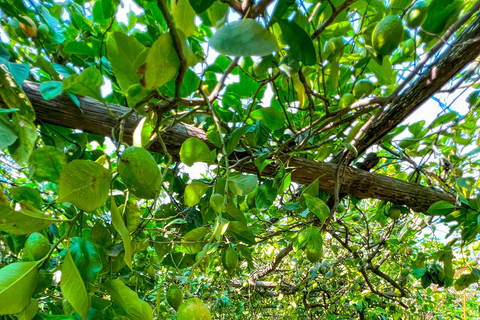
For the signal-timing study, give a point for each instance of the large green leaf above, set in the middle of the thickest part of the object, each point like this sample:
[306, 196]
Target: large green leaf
[29, 312]
[88, 83]
[23, 219]
[201, 5]
[119, 225]
[317, 207]
[195, 150]
[17, 283]
[73, 287]
[86, 258]
[194, 192]
[300, 43]
[46, 164]
[440, 208]
[184, 17]
[244, 38]
[189, 241]
[85, 184]
[242, 185]
[241, 232]
[126, 302]
[161, 64]
[271, 117]
[122, 52]
[7, 133]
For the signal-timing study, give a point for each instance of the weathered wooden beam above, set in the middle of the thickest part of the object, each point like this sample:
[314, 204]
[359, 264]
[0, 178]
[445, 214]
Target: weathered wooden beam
[93, 117]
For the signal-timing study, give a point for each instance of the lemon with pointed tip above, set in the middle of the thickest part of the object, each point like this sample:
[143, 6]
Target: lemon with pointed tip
[417, 14]
[216, 202]
[363, 88]
[193, 309]
[387, 35]
[394, 213]
[174, 296]
[37, 245]
[139, 172]
[230, 259]
[346, 100]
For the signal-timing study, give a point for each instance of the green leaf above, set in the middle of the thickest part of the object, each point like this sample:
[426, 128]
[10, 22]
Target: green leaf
[232, 213]
[161, 64]
[242, 185]
[184, 17]
[17, 283]
[266, 195]
[244, 38]
[122, 52]
[384, 72]
[317, 207]
[24, 219]
[126, 302]
[196, 234]
[444, 118]
[8, 136]
[194, 192]
[80, 48]
[241, 232]
[86, 258]
[46, 164]
[465, 280]
[60, 317]
[88, 83]
[217, 12]
[30, 195]
[51, 89]
[85, 184]
[270, 117]
[195, 150]
[119, 225]
[234, 139]
[418, 273]
[300, 43]
[73, 288]
[440, 208]
[201, 5]
[29, 312]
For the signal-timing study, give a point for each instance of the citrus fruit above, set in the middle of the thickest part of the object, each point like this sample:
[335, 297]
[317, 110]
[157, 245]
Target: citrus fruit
[341, 208]
[394, 213]
[405, 272]
[333, 47]
[37, 245]
[216, 202]
[29, 28]
[251, 200]
[203, 265]
[132, 217]
[151, 272]
[387, 35]
[314, 256]
[230, 259]
[417, 14]
[174, 296]
[363, 88]
[138, 170]
[458, 173]
[408, 251]
[193, 309]
[356, 217]
[346, 100]
[441, 14]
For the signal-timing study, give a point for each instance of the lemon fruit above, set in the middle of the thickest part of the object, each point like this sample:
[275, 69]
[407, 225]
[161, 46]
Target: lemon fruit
[193, 309]
[174, 296]
[346, 100]
[408, 251]
[314, 256]
[37, 245]
[405, 272]
[132, 217]
[417, 14]
[394, 213]
[387, 35]
[216, 202]
[139, 172]
[363, 88]
[230, 259]
[204, 263]
[341, 208]
[29, 28]
[356, 217]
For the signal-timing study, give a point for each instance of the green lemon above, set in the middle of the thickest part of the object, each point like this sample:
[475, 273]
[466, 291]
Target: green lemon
[193, 309]
[408, 251]
[458, 173]
[139, 171]
[174, 296]
[363, 88]
[203, 265]
[132, 217]
[346, 100]
[216, 202]
[387, 35]
[417, 14]
[314, 256]
[251, 200]
[37, 245]
[341, 208]
[405, 272]
[230, 259]
[356, 217]
[394, 213]
[151, 272]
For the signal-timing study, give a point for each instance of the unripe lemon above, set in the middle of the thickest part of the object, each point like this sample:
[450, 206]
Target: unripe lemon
[138, 170]
[216, 202]
[341, 209]
[363, 88]
[417, 14]
[408, 251]
[346, 100]
[37, 245]
[203, 265]
[314, 256]
[174, 296]
[356, 217]
[30, 29]
[405, 272]
[230, 259]
[193, 309]
[132, 217]
[394, 213]
[251, 200]
[387, 35]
